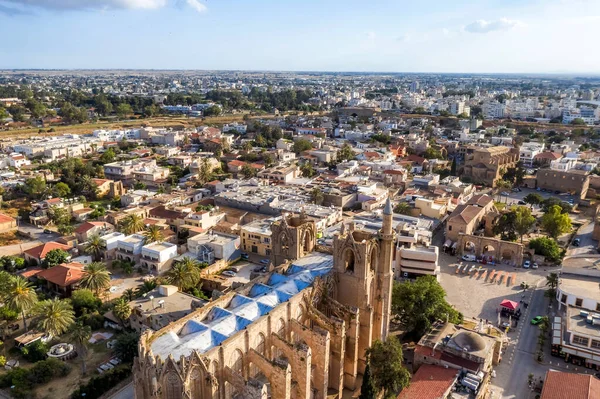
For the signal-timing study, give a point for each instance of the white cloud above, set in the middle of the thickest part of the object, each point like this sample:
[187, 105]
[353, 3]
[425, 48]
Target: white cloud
[196, 5]
[405, 38]
[483, 26]
[24, 5]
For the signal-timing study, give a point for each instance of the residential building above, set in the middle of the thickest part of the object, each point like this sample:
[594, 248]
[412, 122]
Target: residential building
[158, 256]
[570, 385]
[416, 262]
[87, 229]
[111, 243]
[435, 209]
[63, 279]
[35, 256]
[7, 223]
[129, 248]
[280, 174]
[214, 246]
[256, 236]
[430, 382]
[160, 307]
[528, 152]
[485, 165]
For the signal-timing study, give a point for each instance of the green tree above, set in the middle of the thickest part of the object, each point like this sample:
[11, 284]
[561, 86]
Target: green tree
[555, 222]
[84, 301]
[131, 224]
[95, 277]
[385, 361]
[35, 187]
[61, 190]
[55, 257]
[126, 347]
[122, 310]
[268, 160]
[506, 227]
[94, 246]
[453, 167]
[533, 199]
[417, 304]
[108, 156]
[248, 171]
[65, 229]
[345, 153]
[578, 121]
[367, 389]
[552, 281]
[59, 215]
[307, 170]
[184, 274]
[524, 220]
[55, 316]
[316, 196]
[302, 145]
[403, 208]
[80, 334]
[21, 297]
[432, 153]
[548, 203]
[153, 234]
[123, 110]
[546, 247]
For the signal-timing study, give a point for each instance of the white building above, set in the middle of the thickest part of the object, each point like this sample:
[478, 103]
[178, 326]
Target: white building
[528, 151]
[158, 256]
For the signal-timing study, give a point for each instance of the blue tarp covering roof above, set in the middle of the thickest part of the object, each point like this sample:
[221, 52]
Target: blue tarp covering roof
[219, 324]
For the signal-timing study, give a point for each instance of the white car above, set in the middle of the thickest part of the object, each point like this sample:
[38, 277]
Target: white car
[534, 266]
[526, 264]
[469, 258]
[229, 273]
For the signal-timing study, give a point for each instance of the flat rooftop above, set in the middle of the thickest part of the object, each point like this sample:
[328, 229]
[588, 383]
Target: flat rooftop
[578, 324]
[159, 246]
[581, 286]
[133, 239]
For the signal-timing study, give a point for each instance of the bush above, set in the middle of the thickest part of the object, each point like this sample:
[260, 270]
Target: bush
[100, 384]
[94, 320]
[35, 352]
[126, 346]
[44, 371]
[84, 301]
[2, 361]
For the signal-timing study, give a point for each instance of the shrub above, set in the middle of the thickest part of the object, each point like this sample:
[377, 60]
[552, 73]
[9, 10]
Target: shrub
[44, 371]
[2, 361]
[94, 320]
[100, 384]
[35, 352]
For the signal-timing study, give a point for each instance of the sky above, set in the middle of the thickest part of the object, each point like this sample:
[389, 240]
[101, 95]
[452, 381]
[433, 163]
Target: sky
[459, 36]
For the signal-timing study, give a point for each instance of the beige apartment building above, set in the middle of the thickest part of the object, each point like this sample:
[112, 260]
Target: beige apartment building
[256, 237]
[486, 165]
[468, 217]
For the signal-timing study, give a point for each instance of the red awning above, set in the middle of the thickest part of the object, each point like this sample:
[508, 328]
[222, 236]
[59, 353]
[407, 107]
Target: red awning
[512, 305]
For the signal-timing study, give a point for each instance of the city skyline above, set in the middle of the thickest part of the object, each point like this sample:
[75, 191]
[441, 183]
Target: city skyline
[390, 36]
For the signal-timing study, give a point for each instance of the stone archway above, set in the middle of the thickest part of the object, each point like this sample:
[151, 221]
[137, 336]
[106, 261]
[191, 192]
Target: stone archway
[349, 260]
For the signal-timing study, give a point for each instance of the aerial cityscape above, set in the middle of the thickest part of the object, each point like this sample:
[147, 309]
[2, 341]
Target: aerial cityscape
[239, 207]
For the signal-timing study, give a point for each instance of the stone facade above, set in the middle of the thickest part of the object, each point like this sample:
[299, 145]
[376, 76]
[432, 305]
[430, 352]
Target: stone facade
[299, 332]
[486, 165]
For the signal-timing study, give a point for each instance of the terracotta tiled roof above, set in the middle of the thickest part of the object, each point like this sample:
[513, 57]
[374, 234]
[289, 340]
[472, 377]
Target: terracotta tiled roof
[429, 382]
[425, 351]
[63, 275]
[562, 385]
[548, 155]
[480, 200]
[40, 251]
[87, 226]
[5, 218]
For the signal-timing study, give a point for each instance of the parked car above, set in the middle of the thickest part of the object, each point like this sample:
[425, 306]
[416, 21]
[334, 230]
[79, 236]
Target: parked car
[521, 202]
[576, 242]
[469, 258]
[515, 190]
[534, 266]
[505, 193]
[526, 264]
[229, 273]
[536, 320]
[265, 261]
[245, 256]
[47, 231]
[557, 192]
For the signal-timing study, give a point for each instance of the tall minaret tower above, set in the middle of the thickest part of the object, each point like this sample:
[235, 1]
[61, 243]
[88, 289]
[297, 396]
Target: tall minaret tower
[385, 276]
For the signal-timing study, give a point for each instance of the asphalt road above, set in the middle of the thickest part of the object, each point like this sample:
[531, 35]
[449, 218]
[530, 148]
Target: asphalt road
[124, 393]
[519, 359]
[587, 245]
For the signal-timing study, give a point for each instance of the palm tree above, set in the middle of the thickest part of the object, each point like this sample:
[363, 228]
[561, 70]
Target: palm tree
[122, 310]
[403, 208]
[129, 294]
[184, 274]
[132, 224]
[56, 316]
[21, 297]
[146, 287]
[94, 246]
[153, 234]
[80, 334]
[552, 280]
[95, 277]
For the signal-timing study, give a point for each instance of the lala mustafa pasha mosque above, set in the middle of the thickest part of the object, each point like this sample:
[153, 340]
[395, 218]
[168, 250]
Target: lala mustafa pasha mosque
[300, 331]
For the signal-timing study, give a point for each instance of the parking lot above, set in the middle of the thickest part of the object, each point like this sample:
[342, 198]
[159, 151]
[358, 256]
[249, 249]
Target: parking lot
[514, 197]
[243, 269]
[475, 295]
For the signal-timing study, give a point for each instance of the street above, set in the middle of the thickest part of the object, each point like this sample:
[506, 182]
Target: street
[586, 243]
